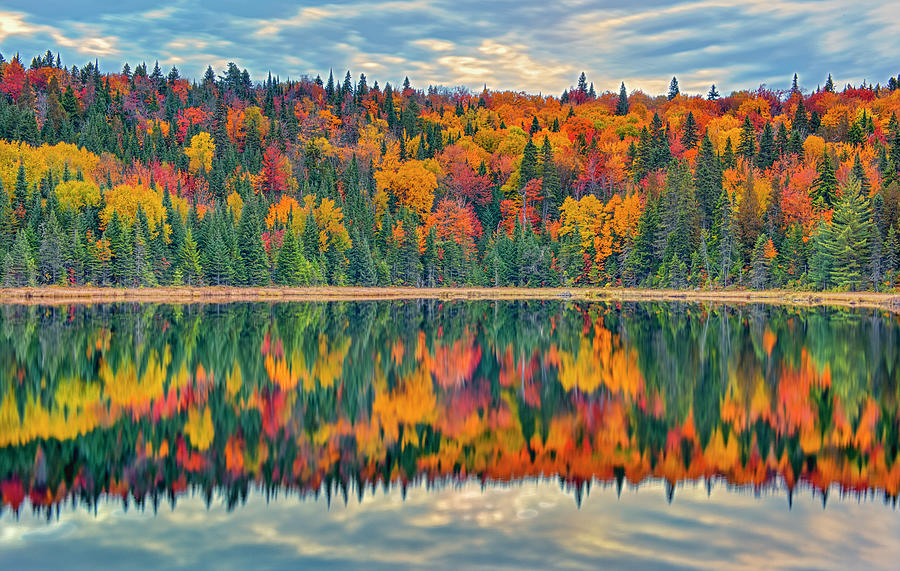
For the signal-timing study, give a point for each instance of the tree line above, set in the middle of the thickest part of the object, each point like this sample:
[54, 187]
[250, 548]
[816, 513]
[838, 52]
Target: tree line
[141, 178]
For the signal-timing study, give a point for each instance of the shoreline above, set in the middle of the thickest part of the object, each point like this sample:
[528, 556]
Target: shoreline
[187, 295]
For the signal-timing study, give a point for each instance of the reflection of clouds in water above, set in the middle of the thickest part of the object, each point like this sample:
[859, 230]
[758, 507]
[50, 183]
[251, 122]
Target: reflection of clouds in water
[532, 524]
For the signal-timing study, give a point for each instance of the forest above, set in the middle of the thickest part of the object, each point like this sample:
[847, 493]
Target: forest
[141, 177]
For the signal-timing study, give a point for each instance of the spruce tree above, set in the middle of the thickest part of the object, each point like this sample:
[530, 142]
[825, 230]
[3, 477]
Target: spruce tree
[689, 135]
[189, 261]
[708, 180]
[253, 263]
[51, 255]
[622, 101]
[767, 151]
[848, 238]
[551, 189]
[728, 161]
[747, 145]
[18, 265]
[760, 264]
[673, 89]
[825, 185]
[361, 268]
[800, 118]
[121, 262]
[713, 94]
[529, 166]
[217, 260]
[290, 265]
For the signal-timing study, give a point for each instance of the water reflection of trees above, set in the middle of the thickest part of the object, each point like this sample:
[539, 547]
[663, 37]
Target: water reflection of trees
[146, 401]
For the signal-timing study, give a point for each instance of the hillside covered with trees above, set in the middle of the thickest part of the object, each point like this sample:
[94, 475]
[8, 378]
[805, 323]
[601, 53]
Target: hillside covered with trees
[142, 177]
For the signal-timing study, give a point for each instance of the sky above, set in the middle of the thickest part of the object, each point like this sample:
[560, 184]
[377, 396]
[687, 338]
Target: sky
[522, 45]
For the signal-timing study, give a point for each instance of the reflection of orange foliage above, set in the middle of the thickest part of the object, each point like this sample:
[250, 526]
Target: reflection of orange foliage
[455, 364]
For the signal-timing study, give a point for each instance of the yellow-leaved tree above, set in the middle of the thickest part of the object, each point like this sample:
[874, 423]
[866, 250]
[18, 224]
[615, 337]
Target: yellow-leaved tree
[200, 152]
[412, 184]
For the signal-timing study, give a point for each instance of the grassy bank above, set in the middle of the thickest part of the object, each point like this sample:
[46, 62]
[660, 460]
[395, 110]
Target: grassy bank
[61, 295]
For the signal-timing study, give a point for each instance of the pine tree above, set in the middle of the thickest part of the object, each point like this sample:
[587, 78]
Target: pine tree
[143, 263]
[551, 189]
[829, 84]
[310, 238]
[724, 238]
[781, 141]
[189, 261]
[825, 185]
[800, 118]
[18, 265]
[253, 263]
[622, 101]
[121, 263]
[20, 193]
[713, 94]
[290, 265]
[689, 135]
[361, 269]
[767, 152]
[708, 180]
[859, 174]
[529, 166]
[582, 83]
[761, 263]
[728, 160]
[847, 238]
[217, 261]
[673, 89]
[747, 145]
[795, 144]
[52, 251]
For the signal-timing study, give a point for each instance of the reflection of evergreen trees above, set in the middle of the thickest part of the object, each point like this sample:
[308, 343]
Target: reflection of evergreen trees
[735, 374]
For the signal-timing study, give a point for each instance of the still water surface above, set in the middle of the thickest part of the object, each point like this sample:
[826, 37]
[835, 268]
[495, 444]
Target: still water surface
[488, 434]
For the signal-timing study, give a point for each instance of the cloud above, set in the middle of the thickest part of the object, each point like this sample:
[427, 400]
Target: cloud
[434, 45]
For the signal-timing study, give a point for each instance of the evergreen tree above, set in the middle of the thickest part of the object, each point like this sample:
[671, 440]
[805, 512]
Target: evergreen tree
[310, 238]
[800, 118]
[529, 167]
[143, 262]
[761, 263]
[290, 267]
[859, 174]
[189, 261]
[217, 261]
[551, 189]
[713, 94]
[673, 89]
[622, 101]
[689, 135]
[253, 263]
[361, 269]
[781, 141]
[728, 160]
[121, 262]
[825, 185]
[847, 239]
[747, 145]
[767, 150]
[18, 264]
[51, 255]
[708, 180]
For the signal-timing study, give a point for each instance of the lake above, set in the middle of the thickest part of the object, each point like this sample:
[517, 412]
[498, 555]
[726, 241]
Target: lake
[445, 434]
